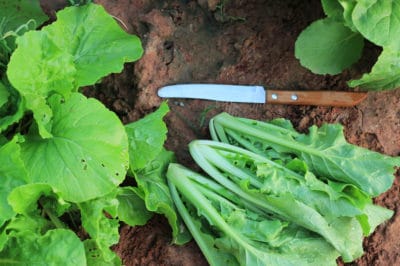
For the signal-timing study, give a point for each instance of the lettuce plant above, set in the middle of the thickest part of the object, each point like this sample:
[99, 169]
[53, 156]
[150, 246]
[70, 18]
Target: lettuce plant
[341, 213]
[231, 231]
[63, 156]
[274, 193]
[324, 149]
[331, 44]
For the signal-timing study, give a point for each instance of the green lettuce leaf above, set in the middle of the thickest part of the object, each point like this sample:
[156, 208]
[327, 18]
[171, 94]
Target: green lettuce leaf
[385, 74]
[95, 40]
[348, 9]
[148, 161]
[132, 209]
[325, 150]
[56, 247]
[94, 256]
[86, 158]
[340, 11]
[378, 21]
[295, 198]
[82, 46]
[25, 199]
[146, 137]
[153, 189]
[332, 9]
[15, 14]
[13, 107]
[327, 47]
[231, 234]
[12, 175]
[17, 17]
[46, 70]
[102, 229]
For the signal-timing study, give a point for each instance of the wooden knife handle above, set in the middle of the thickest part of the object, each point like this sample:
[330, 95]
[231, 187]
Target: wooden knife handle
[320, 98]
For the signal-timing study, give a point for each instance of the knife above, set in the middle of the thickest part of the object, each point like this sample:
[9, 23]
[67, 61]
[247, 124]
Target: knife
[257, 94]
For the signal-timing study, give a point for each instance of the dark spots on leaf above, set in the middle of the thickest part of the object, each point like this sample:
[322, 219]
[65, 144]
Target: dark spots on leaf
[62, 101]
[117, 174]
[103, 165]
[83, 161]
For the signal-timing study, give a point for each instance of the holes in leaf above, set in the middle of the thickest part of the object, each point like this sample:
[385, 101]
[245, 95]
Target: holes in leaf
[83, 161]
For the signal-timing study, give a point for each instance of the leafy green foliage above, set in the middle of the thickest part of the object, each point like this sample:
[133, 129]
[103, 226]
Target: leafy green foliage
[93, 158]
[4, 94]
[384, 16]
[152, 187]
[103, 230]
[142, 139]
[63, 156]
[12, 175]
[131, 208]
[149, 162]
[106, 47]
[230, 232]
[325, 150]
[44, 249]
[81, 47]
[12, 110]
[339, 212]
[328, 48]
[388, 62]
[17, 17]
[280, 193]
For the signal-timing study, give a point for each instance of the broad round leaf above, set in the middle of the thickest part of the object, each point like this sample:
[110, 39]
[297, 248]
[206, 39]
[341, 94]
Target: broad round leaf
[87, 157]
[328, 47]
[96, 41]
[379, 21]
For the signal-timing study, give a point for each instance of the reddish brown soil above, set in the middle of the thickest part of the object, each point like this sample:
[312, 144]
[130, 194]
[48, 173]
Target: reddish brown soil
[246, 42]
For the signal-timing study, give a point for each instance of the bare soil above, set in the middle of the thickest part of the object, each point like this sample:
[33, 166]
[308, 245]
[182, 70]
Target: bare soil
[238, 42]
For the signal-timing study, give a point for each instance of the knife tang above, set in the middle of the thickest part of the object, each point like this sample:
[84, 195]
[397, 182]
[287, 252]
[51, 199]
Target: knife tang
[320, 98]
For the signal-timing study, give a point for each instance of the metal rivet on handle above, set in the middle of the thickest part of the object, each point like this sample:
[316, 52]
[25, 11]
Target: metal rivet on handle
[274, 96]
[294, 97]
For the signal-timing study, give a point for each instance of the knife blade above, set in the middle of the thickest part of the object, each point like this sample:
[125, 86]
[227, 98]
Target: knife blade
[258, 94]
